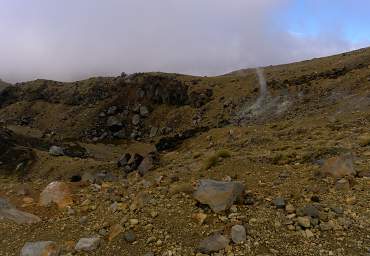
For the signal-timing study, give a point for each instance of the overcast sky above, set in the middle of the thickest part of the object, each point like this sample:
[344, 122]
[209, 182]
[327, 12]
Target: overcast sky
[74, 39]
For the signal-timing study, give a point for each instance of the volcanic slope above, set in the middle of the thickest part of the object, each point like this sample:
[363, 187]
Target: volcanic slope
[177, 130]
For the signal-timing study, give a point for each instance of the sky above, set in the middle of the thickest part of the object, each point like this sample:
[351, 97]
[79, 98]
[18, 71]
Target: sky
[75, 39]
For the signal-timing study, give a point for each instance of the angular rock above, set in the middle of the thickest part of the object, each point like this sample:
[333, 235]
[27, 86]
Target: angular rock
[56, 151]
[56, 192]
[41, 248]
[153, 132]
[88, 244]
[238, 234]
[213, 243]
[8, 211]
[124, 160]
[218, 195]
[338, 167]
[145, 166]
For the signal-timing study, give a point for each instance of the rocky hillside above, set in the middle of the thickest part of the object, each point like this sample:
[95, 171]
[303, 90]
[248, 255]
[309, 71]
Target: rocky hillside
[268, 162]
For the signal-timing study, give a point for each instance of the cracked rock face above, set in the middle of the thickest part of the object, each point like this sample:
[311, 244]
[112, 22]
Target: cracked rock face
[219, 195]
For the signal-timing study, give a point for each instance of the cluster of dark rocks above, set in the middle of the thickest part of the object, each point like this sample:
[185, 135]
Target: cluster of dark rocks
[142, 163]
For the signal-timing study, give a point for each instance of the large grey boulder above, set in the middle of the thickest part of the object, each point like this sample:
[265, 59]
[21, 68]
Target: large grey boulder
[41, 248]
[219, 195]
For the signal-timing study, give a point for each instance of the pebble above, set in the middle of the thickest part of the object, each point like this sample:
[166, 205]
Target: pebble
[289, 208]
[238, 234]
[279, 203]
[213, 243]
[88, 244]
[304, 221]
[129, 236]
[133, 222]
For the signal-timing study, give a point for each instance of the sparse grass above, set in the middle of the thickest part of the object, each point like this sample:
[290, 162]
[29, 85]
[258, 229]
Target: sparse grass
[215, 159]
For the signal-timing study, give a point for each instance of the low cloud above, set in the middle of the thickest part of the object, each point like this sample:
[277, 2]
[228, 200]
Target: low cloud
[74, 39]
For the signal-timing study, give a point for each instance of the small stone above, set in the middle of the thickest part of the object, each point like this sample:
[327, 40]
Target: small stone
[233, 209]
[56, 151]
[314, 222]
[290, 209]
[309, 233]
[83, 220]
[129, 236]
[304, 221]
[279, 203]
[310, 210]
[238, 234]
[144, 111]
[88, 244]
[325, 226]
[136, 119]
[41, 248]
[151, 239]
[200, 217]
[134, 222]
[213, 243]
[342, 184]
[115, 230]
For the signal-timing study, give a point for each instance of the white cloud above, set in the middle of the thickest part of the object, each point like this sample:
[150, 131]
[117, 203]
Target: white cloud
[74, 39]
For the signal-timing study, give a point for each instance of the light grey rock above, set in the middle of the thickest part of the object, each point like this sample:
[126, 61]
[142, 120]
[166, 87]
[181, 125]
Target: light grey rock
[88, 244]
[9, 212]
[41, 248]
[238, 234]
[219, 195]
[56, 151]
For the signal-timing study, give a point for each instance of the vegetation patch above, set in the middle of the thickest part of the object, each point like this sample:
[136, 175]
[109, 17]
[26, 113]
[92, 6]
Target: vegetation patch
[215, 159]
